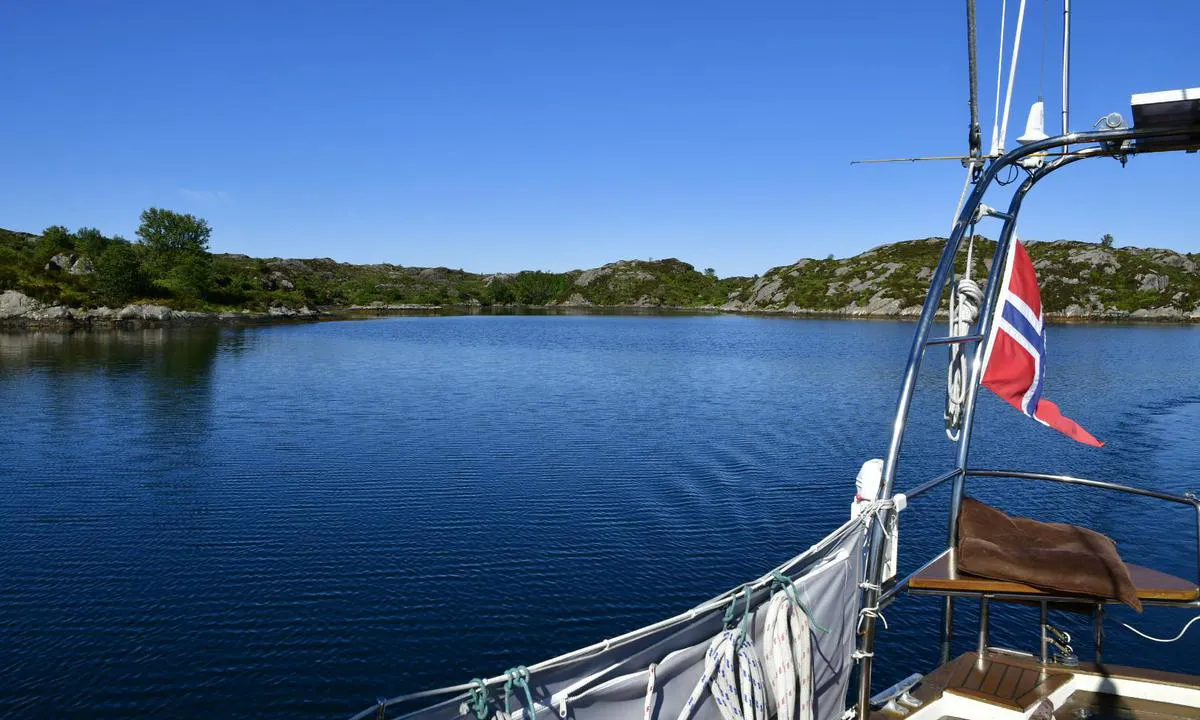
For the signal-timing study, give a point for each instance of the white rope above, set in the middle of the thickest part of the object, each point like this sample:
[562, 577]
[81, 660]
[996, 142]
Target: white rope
[1012, 74]
[778, 657]
[963, 313]
[751, 682]
[787, 656]
[734, 676]
[1151, 638]
[648, 707]
[953, 418]
[999, 81]
[872, 611]
[965, 301]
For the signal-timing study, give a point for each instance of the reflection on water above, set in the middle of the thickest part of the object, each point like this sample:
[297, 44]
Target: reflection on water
[179, 353]
[72, 377]
[291, 521]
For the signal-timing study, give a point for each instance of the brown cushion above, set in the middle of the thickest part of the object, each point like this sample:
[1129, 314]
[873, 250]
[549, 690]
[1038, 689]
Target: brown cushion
[1049, 556]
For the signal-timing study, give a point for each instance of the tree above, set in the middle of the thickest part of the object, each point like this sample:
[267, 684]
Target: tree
[119, 276]
[1106, 240]
[176, 251]
[710, 272]
[90, 242]
[54, 240]
[169, 237]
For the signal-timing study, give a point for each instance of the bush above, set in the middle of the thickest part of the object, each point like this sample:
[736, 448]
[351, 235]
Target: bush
[119, 276]
[190, 277]
[9, 277]
[54, 240]
[90, 242]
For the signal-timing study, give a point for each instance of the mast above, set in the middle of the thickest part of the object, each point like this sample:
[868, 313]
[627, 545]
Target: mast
[974, 139]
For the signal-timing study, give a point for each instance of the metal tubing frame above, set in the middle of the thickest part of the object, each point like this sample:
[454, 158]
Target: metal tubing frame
[931, 484]
[1197, 503]
[1104, 143]
[1044, 615]
[984, 619]
[1070, 480]
[953, 340]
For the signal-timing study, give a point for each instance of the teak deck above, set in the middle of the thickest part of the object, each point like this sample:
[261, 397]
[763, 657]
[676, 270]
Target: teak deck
[1018, 683]
[1002, 681]
[1150, 584]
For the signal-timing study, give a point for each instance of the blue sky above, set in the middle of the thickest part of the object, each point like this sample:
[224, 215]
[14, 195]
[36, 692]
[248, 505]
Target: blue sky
[513, 134]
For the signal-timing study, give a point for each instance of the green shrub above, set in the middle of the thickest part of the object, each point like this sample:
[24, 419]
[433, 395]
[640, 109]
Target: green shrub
[119, 276]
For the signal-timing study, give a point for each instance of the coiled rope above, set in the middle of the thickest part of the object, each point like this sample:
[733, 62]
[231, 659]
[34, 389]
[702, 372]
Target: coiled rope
[965, 301]
[788, 652]
[732, 673]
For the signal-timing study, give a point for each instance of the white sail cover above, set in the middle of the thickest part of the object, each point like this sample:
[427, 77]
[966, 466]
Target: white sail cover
[611, 684]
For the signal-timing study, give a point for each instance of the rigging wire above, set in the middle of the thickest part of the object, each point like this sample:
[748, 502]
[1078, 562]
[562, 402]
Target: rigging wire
[1045, 39]
[1012, 74]
[995, 150]
[1066, 70]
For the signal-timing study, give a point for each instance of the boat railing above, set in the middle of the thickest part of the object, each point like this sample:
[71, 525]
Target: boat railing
[1052, 154]
[1191, 500]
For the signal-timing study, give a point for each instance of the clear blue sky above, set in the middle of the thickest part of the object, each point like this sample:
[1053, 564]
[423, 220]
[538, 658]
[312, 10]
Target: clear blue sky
[513, 134]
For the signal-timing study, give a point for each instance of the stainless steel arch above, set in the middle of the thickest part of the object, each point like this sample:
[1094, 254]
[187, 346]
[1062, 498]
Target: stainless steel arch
[1108, 143]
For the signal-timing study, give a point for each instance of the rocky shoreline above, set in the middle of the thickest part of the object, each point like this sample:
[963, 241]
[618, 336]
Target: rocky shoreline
[21, 312]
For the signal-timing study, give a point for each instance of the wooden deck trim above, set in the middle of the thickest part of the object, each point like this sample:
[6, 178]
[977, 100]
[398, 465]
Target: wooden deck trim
[1151, 584]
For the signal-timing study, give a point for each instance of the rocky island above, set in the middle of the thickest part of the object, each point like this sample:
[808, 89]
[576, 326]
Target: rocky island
[64, 279]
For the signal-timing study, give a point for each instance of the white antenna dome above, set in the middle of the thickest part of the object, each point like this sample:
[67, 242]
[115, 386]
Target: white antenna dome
[870, 477]
[1035, 125]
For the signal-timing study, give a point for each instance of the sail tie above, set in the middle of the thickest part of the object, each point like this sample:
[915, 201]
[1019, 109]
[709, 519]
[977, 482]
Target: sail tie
[477, 700]
[518, 677]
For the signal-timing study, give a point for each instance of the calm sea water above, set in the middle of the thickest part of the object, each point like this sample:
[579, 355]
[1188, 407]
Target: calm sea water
[291, 521]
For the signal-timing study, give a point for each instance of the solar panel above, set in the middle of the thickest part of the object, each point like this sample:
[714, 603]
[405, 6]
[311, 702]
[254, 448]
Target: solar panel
[1168, 109]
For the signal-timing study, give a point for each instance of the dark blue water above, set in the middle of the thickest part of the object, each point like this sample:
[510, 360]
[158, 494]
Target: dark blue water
[291, 521]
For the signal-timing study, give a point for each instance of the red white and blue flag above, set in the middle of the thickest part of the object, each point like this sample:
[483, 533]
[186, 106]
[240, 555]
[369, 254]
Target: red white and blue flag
[1014, 364]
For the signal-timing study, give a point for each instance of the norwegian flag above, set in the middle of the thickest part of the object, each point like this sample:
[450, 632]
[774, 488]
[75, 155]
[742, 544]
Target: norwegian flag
[1014, 364]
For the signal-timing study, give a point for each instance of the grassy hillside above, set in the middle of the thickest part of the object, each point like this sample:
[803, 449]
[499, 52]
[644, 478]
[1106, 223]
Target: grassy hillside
[60, 268]
[85, 270]
[1077, 279]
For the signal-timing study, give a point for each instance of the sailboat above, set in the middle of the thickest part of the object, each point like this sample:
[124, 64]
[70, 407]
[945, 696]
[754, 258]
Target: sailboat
[800, 641]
